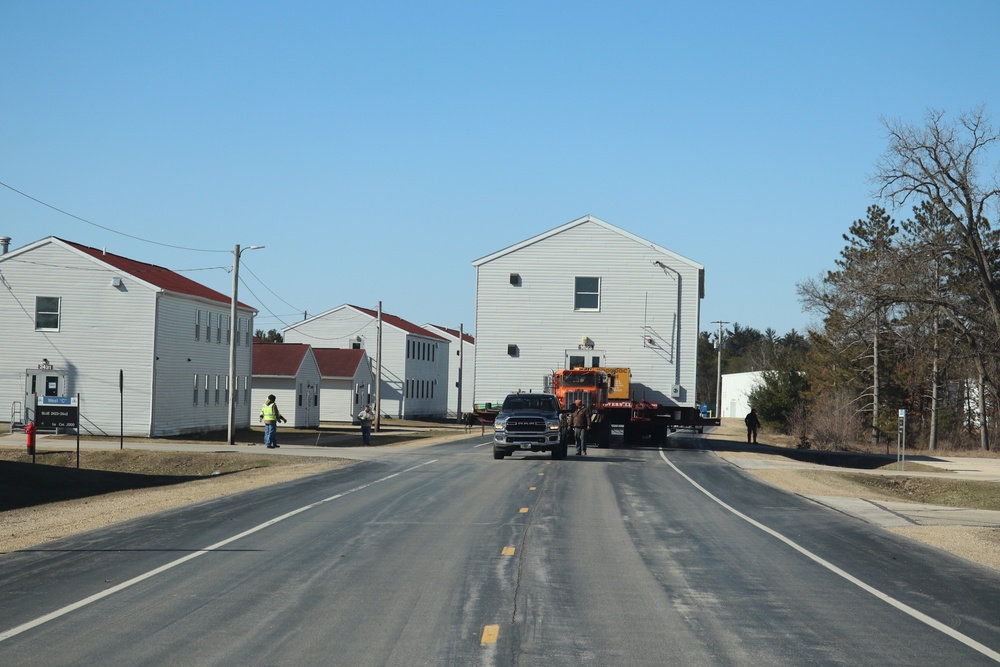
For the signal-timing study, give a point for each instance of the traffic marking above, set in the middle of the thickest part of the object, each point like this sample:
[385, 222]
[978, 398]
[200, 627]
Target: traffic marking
[524, 510]
[51, 616]
[884, 597]
[532, 488]
[508, 551]
[490, 633]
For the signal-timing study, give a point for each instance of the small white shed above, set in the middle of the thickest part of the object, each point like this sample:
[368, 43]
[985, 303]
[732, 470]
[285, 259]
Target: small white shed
[736, 388]
[291, 373]
[347, 383]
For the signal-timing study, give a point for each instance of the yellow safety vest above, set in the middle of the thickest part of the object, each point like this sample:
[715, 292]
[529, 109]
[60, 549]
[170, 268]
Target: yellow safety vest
[267, 412]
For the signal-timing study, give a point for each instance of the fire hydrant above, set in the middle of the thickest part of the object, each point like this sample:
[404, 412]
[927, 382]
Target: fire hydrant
[29, 430]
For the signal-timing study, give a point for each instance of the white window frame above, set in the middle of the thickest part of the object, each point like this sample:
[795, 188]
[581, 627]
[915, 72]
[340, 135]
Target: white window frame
[579, 294]
[39, 313]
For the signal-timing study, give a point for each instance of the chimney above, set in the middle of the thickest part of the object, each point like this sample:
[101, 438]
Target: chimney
[4, 244]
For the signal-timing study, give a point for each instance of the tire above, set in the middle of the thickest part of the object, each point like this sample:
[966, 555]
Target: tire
[498, 454]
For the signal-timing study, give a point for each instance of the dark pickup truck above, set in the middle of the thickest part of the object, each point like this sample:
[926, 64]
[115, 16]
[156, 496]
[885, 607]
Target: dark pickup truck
[529, 423]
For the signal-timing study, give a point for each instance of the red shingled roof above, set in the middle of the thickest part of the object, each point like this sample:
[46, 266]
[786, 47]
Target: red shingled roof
[400, 323]
[336, 362]
[278, 358]
[155, 275]
[454, 332]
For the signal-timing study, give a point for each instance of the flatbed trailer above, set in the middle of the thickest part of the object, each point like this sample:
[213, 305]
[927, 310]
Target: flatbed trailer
[600, 390]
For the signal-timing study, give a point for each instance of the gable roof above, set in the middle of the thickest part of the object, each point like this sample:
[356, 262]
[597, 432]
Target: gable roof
[155, 276]
[454, 333]
[391, 320]
[278, 358]
[400, 323]
[338, 362]
[582, 221]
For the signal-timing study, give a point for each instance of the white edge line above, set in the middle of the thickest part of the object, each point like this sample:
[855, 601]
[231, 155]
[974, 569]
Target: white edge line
[906, 609]
[41, 620]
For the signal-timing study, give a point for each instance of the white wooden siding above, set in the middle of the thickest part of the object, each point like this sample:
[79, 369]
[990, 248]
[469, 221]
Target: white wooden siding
[143, 332]
[342, 327]
[179, 356]
[639, 301]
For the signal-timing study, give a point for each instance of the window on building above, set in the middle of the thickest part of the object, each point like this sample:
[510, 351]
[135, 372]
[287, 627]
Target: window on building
[208, 327]
[206, 389]
[217, 389]
[246, 389]
[47, 313]
[196, 389]
[226, 396]
[197, 325]
[588, 294]
[218, 330]
[299, 392]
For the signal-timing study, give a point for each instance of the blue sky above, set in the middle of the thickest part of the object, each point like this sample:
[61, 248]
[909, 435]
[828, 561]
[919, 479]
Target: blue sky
[378, 148]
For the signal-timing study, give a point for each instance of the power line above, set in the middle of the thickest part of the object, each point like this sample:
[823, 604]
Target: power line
[107, 229]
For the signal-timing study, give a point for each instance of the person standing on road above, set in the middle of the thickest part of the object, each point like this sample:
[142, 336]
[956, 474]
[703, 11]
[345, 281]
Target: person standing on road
[752, 425]
[580, 421]
[270, 415]
[366, 417]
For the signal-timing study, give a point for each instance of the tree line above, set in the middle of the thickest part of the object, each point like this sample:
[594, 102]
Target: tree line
[909, 316]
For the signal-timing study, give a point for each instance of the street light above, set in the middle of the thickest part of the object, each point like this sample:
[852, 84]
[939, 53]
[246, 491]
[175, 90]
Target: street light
[718, 374]
[233, 331]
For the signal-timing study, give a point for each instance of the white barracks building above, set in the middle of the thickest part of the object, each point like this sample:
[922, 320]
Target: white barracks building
[587, 293]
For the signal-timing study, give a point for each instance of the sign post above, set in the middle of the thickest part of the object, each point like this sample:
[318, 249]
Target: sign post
[901, 441]
[58, 412]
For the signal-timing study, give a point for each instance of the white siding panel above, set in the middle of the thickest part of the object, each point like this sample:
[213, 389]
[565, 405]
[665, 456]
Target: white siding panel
[103, 329]
[639, 300]
[179, 357]
[343, 326]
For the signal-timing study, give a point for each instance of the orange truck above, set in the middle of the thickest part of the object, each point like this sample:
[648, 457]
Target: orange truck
[607, 393]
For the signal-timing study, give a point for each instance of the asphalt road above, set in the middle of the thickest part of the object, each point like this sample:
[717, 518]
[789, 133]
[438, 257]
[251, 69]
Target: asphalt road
[440, 555]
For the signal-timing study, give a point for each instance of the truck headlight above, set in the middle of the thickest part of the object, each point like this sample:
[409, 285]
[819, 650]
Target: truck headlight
[499, 423]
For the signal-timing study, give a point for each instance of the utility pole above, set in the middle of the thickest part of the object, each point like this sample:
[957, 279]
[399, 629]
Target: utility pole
[378, 370]
[718, 372]
[461, 345]
[233, 314]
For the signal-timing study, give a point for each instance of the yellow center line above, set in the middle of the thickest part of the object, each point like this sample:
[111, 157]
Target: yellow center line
[490, 633]
[532, 488]
[508, 551]
[524, 510]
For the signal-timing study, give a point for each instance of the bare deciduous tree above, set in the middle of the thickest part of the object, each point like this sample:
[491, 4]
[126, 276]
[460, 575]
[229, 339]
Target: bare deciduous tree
[941, 162]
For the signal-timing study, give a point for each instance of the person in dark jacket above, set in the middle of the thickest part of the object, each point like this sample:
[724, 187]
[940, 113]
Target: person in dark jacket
[752, 425]
[580, 421]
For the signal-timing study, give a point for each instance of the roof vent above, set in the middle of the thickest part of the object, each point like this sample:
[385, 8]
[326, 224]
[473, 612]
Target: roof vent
[4, 244]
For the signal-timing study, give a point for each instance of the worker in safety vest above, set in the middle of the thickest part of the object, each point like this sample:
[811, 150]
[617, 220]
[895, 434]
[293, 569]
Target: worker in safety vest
[270, 415]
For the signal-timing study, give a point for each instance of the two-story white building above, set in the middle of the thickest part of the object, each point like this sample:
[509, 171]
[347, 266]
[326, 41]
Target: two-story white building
[414, 361]
[145, 348]
[461, 368]
[587, 294]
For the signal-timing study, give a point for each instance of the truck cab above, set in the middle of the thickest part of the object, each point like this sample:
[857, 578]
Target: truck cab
[529, 423]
